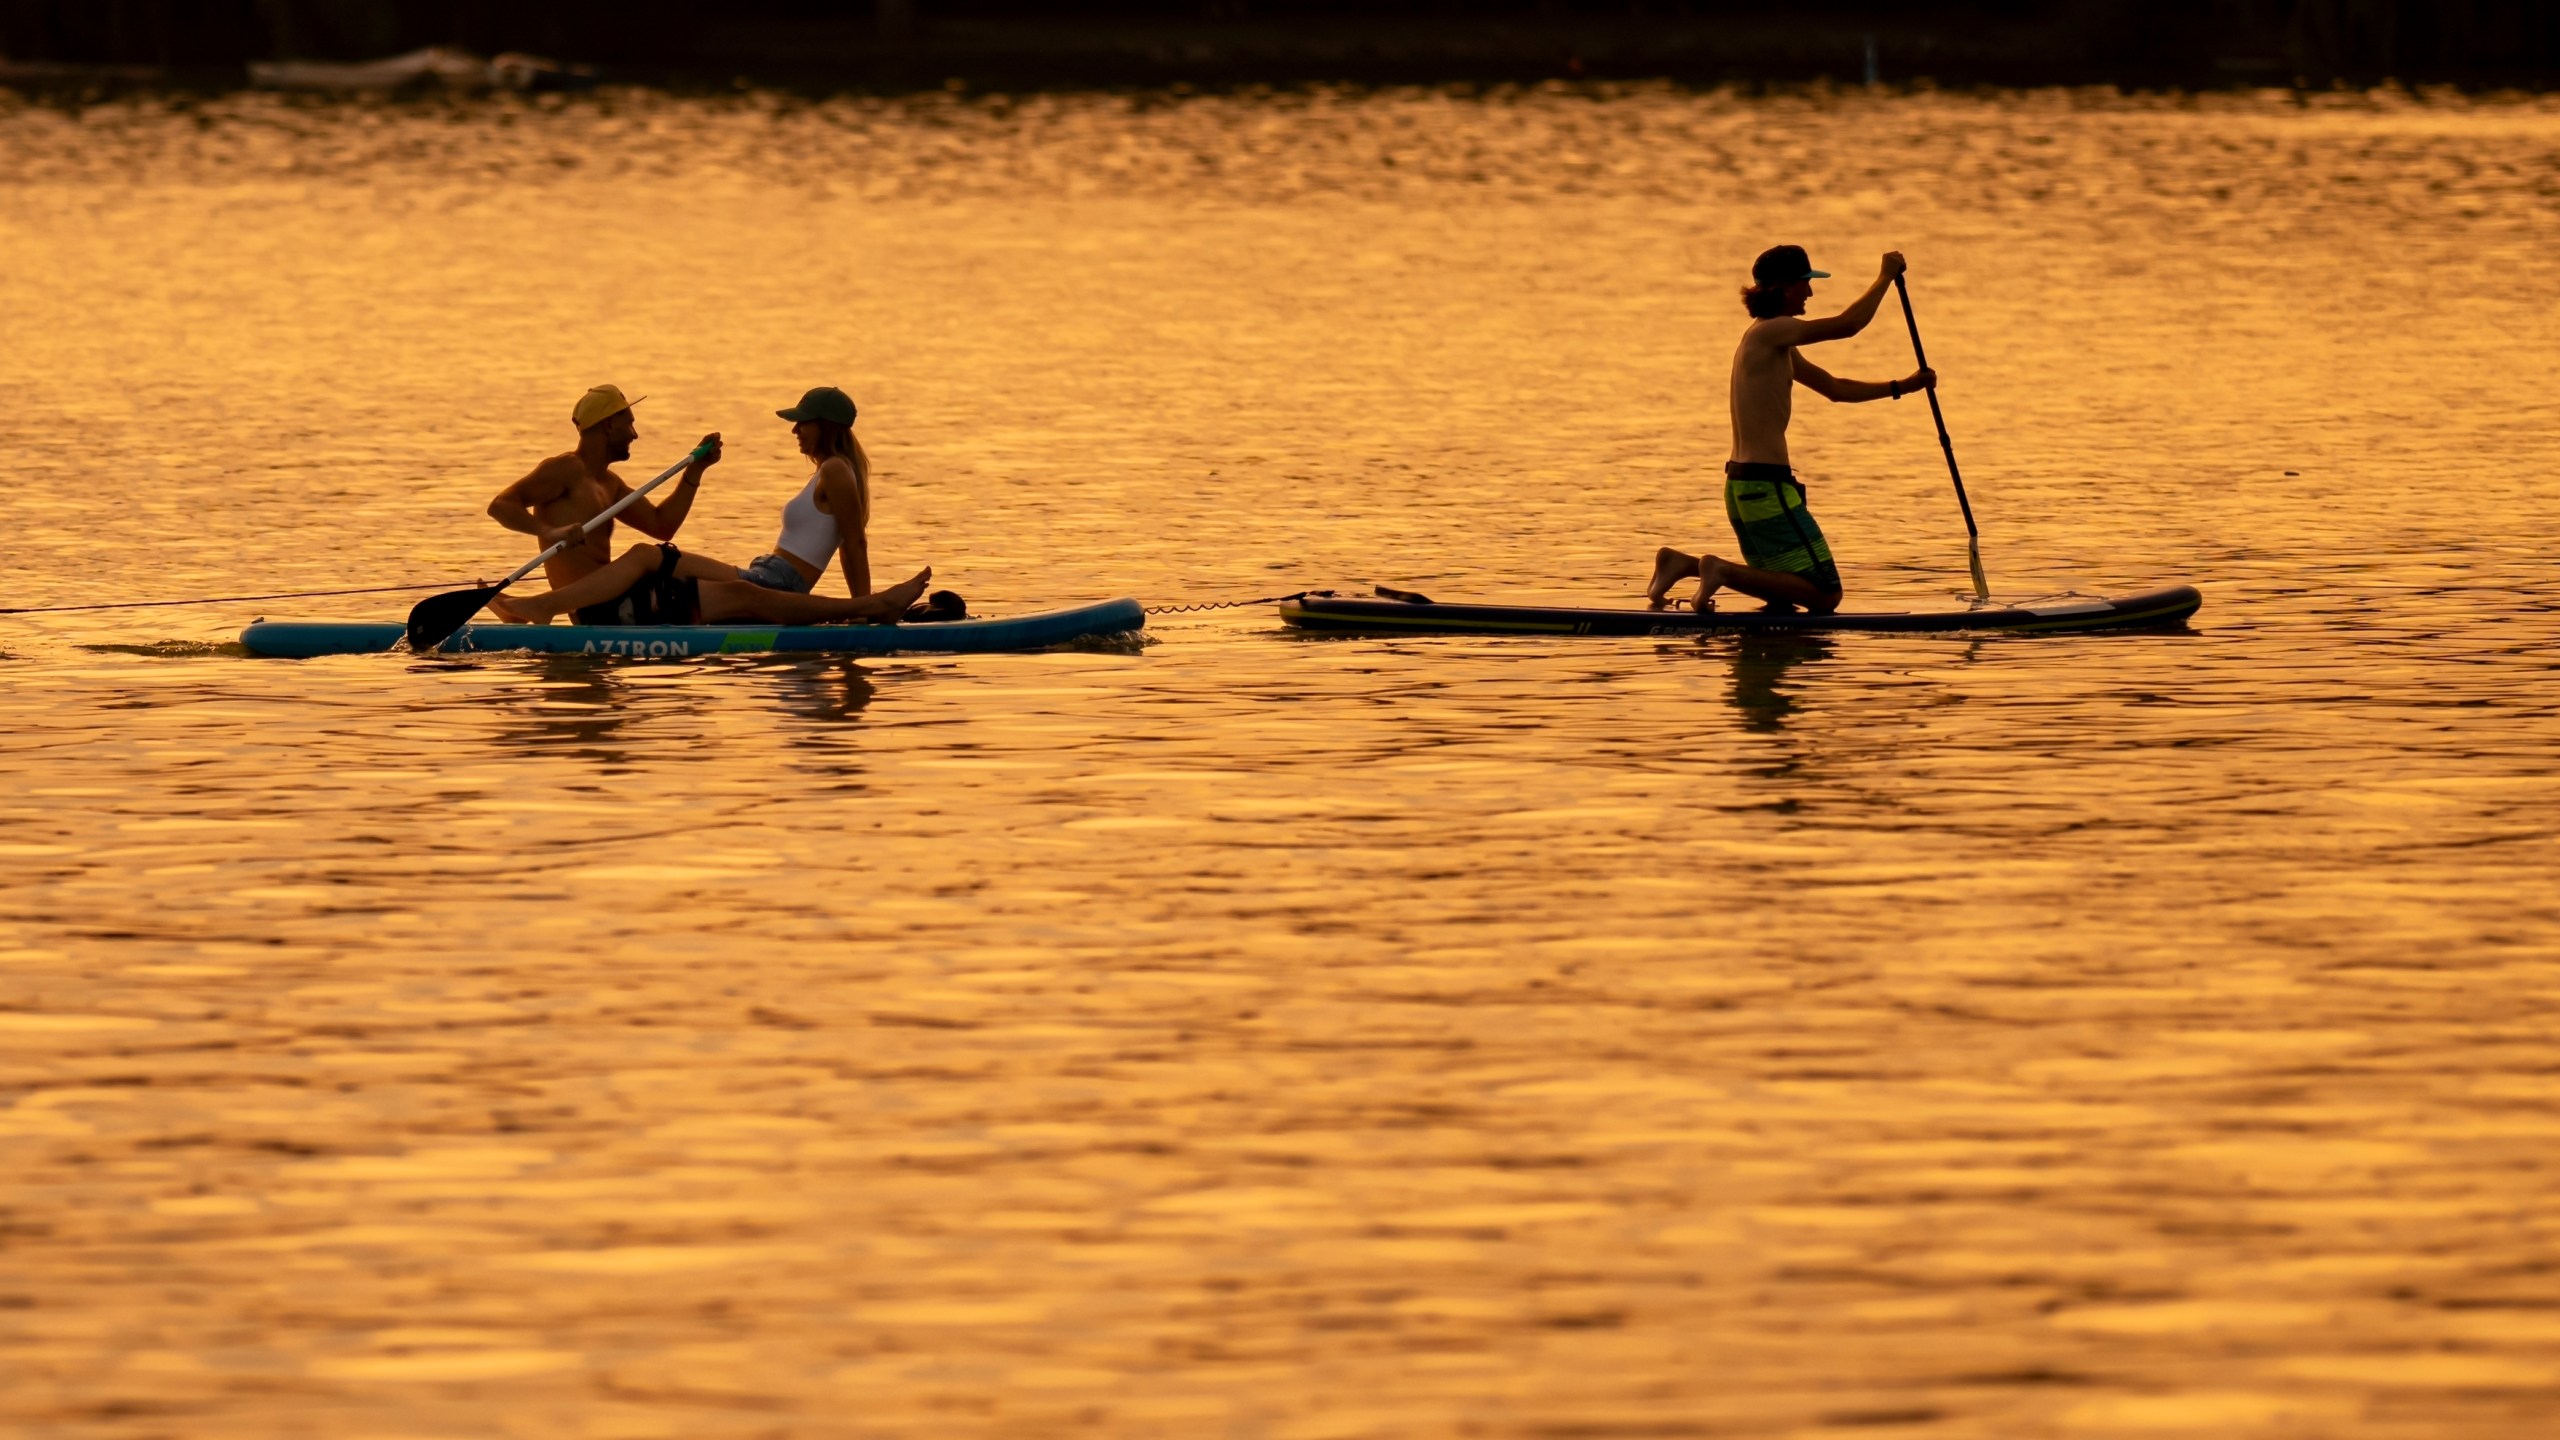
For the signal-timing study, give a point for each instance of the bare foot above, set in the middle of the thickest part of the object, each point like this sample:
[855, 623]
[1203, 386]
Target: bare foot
[1710, 580]
[505, 609]
[1670, 567]
[906, 592]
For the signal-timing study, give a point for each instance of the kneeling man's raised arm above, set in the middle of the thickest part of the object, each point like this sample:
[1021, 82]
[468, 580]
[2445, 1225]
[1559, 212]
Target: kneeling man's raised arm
[1850, 392]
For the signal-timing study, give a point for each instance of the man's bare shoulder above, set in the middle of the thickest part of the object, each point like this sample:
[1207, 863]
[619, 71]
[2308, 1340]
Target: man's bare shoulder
[569, 473]
[1779, 332]
[560, 470]
[547, 481]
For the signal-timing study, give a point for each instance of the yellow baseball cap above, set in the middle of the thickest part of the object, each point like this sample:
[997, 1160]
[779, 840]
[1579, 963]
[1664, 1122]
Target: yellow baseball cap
[599, 405]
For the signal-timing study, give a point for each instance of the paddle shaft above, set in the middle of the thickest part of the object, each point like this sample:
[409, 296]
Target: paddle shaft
[1904, 292]
[618, 506]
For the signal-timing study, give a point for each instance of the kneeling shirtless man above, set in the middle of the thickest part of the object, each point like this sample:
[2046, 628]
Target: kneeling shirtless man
[1785, 560]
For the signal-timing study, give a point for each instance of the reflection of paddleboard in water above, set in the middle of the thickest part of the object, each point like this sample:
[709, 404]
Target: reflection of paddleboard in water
[303, 639]
[437, 66]
[1417, 616]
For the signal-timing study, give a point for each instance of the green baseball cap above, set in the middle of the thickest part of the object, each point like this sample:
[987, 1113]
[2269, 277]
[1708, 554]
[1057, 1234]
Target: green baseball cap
[1781, 265]
[824, 403]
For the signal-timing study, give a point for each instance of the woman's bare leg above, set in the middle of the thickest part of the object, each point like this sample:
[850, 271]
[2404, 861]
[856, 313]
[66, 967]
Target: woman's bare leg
[728, 600]
[637, 564]
[1776, 586]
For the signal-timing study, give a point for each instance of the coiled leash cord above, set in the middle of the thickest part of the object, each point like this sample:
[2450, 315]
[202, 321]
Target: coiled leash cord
[1233, 604]
[1190, 609]
[223, 599]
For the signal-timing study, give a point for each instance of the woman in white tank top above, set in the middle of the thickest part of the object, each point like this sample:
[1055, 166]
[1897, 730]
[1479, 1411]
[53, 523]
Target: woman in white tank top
[830, 519]
[831, 516]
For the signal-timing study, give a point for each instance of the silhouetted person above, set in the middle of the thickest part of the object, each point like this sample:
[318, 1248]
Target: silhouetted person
[1785, 560]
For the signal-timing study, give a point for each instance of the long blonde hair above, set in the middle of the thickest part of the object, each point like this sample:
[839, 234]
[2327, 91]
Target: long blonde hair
[835, 442]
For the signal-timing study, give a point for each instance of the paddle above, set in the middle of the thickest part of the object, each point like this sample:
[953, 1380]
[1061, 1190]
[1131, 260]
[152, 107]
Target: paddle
[1972, 536]
[433, 620]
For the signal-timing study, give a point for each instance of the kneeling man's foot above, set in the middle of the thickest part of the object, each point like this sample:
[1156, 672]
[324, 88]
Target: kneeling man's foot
[1670, 567]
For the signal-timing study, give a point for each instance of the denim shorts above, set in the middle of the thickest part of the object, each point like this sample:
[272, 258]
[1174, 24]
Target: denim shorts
[774, 573]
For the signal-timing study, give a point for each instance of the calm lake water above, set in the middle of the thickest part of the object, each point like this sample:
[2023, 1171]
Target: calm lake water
[1252, 1036]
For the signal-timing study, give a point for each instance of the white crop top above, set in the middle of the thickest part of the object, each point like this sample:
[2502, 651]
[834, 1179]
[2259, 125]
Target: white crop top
[809, 533]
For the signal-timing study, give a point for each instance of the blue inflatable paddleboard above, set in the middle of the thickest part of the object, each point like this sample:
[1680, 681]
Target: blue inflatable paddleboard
[303, 639]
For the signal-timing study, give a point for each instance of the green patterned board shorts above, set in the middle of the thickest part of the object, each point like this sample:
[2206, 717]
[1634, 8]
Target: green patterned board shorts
[1766, 505]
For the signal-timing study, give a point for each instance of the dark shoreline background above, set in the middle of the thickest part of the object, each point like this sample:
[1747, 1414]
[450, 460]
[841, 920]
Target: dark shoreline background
[903, 44]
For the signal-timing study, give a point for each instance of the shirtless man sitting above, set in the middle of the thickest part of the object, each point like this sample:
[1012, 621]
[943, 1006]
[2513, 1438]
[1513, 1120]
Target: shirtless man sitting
[1785, 560]
[649, 584]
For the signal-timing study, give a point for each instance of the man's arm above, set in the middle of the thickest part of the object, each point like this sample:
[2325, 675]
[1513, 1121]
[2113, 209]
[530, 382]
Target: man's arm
[514, 506]
[660, 519]
[1850, 392]
[1848, 322]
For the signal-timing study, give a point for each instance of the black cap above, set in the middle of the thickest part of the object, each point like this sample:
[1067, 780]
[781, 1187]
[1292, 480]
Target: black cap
[824, 403]
[1780, 266]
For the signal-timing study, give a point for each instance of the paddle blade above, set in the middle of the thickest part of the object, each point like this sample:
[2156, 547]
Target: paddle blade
[1981, 587]
[433, 620]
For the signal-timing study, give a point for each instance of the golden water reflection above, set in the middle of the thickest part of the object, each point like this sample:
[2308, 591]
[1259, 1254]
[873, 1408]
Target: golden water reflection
[1244, 1034]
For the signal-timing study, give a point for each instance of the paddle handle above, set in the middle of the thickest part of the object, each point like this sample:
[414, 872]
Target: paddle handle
[1903, 291]
[616, 508]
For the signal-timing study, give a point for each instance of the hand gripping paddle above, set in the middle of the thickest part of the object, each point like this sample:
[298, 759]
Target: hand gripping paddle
[434, 620]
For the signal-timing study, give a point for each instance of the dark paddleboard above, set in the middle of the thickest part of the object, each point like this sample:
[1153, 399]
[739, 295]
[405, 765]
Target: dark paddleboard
[2150, 610]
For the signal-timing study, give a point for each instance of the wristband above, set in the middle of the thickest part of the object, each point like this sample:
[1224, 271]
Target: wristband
[1893, 388]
